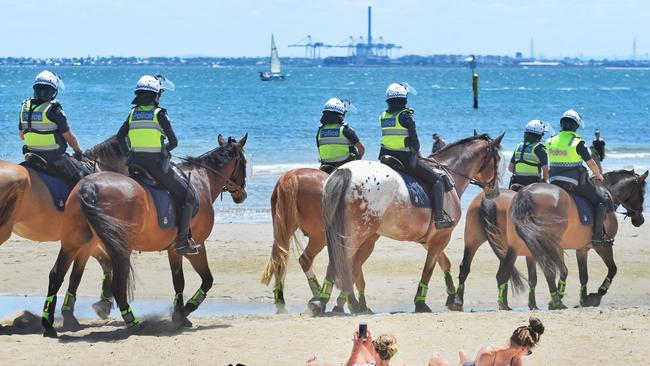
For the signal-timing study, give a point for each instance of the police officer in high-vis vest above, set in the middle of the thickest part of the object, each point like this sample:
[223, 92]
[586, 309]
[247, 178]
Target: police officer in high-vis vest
[44, 128]
[400, 140]
[529, 163]
[145, 130]
[566, 152]
[337, 142]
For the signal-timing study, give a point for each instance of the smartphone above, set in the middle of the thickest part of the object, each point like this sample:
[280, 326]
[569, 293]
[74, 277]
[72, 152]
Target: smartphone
[363, 330]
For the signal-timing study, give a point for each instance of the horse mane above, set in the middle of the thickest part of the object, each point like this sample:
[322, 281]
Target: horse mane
[218, 157]
[109, 149]
[616, 176]
[483, 136]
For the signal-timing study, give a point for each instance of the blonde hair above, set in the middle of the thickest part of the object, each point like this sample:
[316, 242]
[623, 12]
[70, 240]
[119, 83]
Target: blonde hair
[386, 346]
[528, 335]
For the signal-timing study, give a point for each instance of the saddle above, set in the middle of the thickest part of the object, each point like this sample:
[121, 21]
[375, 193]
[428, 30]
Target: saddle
[58, 187]
[165, 205]
[327, 168]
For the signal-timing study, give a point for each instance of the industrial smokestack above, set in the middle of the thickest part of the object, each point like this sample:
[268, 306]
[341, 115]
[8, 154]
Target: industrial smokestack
[369, 25]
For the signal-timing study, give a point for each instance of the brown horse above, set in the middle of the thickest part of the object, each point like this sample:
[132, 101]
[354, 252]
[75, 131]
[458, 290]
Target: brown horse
[119, 213]
[27, 210]
[296, 203]
[546, 219]
[363, 200]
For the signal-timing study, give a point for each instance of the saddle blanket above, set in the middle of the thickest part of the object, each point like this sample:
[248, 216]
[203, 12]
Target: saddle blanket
[165, 206]
[419, 195]
[585, 210]
[59, 188]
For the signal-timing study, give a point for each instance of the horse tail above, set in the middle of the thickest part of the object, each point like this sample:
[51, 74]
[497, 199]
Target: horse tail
[488, 215]
[8, 203]
[537, 231]
[284, 212]
[334, 208]
[111, 231]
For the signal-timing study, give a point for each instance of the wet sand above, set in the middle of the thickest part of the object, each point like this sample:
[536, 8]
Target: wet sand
[612, 334]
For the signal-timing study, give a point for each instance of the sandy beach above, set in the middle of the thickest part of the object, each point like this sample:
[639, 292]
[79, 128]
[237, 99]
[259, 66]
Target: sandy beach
[611, 334]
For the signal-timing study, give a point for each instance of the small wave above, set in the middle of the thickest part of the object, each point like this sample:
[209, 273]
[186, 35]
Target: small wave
[280, 168]
[435, 86]
[567, 89]
[350, 83]
[614, 88]
[627, 155]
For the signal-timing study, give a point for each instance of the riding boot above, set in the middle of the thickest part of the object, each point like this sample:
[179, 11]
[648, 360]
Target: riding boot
[598, 237]
[440, 217]
[184, 243]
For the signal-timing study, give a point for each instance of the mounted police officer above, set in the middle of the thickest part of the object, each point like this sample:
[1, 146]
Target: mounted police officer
[337, 142]
[529, 163]
[44, 128]
[400, 140]
[145, 130]
[566, 152]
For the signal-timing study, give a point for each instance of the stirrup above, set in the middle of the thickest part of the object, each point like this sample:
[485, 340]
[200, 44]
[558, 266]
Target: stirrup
[444, 222]
[188, 248]
[603, 241]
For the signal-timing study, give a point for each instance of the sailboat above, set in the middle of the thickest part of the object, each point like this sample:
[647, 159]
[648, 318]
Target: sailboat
[276, 68]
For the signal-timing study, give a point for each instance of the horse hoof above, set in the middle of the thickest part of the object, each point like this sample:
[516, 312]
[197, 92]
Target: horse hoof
[338, 309]
[591, 300]
[556, 306]
[50, 333]
[136, 328]
[533, 307]
[70, 321]
[316, 307]
[181, 321]
[504, 307]
[422, 307]
[103, 308]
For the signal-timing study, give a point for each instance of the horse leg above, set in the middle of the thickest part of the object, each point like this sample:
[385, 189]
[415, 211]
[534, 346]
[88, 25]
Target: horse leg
[357, 269]
[433, 251]
[463, 273]
[506, 266]
[445, 266]
[200, 264]
[607, 255]
[178, 279]
[57, 275]
[104, 306]
[67, 309]
[314, 246]
[556, 300]
[581, 257]
[532, 282]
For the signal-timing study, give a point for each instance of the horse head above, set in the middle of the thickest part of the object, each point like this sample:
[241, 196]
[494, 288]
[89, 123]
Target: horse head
[236, 182]
[490, 172]
[628, 188]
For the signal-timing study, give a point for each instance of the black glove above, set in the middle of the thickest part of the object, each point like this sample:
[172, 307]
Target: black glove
[77, 155]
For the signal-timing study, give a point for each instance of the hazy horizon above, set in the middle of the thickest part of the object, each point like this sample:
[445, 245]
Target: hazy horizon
[585, 29]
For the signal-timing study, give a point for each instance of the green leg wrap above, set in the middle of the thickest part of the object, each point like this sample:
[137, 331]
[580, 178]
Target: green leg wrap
[449, 282]
[197, 298]
[178, 300]
[561, 287]
[106, 293]
[502, 292]
[314, 285]
[555, 298]
[68, 302]
[278, 295]
[48, 309]
[129, 318]
[326, 291]
[421, 295]
[602, 290]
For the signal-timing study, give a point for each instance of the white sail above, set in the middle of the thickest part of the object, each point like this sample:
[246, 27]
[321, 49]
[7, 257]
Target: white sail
[275, 58]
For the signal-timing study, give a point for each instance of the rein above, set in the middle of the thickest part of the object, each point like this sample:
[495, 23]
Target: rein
[238, 188]
[471, 180]
[629, 212]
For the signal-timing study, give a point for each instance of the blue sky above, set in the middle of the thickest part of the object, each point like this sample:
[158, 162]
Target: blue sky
[589, 28]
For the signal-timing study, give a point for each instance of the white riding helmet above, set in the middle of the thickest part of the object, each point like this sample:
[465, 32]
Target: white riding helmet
[148, 83]
[49, 78]
[335, 105]
[396, 90]
[537, 127]
[571, 114]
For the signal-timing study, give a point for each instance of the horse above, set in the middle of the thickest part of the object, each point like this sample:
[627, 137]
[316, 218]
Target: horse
[546, 220]
[118, 213]
[27, 210]
[363, 200]
[296, 203]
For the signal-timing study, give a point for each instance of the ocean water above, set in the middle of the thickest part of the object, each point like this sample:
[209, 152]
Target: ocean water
[282, 117]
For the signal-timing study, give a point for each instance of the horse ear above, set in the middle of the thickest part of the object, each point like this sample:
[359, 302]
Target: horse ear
[242, 142]
[475, 133]
[497, 141]
[644, 176]
[221, 140]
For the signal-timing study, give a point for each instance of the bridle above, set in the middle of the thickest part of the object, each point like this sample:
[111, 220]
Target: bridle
[491, 184]
[630, 212]
[230, 186]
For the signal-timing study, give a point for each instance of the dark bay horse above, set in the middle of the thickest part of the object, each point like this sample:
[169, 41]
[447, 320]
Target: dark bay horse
[364, 199]
[296, 203]
[119, 214]
[546, 220]
[27, 210]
